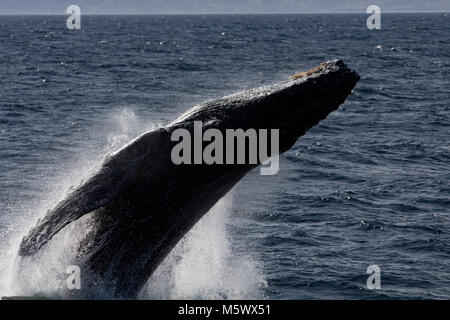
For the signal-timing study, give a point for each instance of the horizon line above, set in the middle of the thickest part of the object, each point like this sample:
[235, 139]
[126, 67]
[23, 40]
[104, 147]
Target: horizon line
[218, 13]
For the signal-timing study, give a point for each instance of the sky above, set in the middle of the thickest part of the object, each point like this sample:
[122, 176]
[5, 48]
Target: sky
[217, 6]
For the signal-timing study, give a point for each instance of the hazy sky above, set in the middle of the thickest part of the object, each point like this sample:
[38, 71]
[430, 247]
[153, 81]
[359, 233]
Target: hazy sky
[215, 6]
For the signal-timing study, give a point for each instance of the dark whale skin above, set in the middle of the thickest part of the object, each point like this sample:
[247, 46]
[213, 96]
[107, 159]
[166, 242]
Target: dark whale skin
[140, 204]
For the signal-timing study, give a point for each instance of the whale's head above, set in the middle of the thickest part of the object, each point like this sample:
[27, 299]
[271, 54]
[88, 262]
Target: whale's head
[292, 106]
[310, 97]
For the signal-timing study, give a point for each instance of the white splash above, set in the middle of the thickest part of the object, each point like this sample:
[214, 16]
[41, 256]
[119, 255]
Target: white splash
[42, 274]
[203, 265]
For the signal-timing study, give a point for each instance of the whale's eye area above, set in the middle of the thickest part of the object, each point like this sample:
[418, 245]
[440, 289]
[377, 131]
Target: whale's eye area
[317, 69]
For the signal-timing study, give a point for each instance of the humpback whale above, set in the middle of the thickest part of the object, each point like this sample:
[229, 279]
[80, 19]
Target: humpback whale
[141, 204]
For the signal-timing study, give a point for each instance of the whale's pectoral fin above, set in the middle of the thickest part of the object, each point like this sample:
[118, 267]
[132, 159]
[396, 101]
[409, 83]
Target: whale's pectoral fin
[116, 176]
[103, 187]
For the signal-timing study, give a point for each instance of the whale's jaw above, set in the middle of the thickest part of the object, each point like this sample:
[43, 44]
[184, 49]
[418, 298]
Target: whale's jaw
[141, 204]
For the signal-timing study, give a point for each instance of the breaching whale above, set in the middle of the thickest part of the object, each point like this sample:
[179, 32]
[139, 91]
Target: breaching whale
[141, 204]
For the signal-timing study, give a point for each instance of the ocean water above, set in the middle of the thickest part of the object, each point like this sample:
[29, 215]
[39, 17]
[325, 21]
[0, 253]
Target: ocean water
[368, 185]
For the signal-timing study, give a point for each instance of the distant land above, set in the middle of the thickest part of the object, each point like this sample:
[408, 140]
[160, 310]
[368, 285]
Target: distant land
[52, 7]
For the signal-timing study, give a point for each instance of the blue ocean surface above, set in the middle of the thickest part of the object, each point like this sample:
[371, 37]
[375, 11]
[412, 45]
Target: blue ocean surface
[367, 186]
